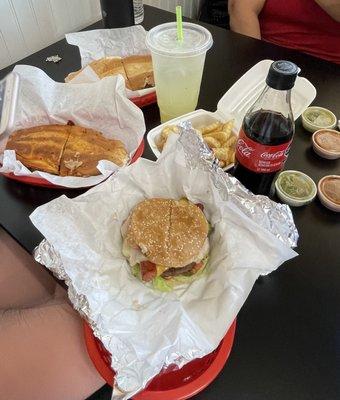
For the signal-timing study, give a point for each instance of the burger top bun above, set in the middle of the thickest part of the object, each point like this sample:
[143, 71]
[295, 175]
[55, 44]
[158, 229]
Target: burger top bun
[168, 232]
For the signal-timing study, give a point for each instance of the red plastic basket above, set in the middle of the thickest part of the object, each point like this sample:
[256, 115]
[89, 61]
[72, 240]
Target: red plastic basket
[171, 383]
[145, 100]
[34, 181]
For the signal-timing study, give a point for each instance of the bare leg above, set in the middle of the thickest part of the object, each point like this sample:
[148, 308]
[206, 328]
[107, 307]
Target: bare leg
[23, 282]
[43, 355]
[42, 350]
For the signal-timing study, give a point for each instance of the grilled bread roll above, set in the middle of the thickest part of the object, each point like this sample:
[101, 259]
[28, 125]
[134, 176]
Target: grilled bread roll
[84, 148]
[136, 70]
[103, 67]
[139, 71]
[66, 150]
[41, 147]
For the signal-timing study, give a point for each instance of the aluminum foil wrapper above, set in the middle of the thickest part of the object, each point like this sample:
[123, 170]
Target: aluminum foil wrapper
[55, 59]
[45, 254]
[146, 330]
[275, 217]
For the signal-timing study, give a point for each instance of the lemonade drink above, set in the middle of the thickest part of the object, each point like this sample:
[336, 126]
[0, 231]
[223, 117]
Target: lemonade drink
[178, 66]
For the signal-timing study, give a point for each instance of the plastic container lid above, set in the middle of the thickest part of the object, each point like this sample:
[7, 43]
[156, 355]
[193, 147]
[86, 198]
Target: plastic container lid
[295, 188]
[162, 40]
[315, 118]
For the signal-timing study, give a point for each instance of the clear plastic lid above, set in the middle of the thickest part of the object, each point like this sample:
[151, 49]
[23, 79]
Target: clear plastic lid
[163, 40]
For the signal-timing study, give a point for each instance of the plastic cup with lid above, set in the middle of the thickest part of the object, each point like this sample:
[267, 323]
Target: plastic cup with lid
[178, 66]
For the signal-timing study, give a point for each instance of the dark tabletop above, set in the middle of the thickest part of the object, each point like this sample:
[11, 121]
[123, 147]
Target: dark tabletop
[287, 341]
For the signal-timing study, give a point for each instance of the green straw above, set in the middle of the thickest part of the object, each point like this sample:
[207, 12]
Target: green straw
[179, 23]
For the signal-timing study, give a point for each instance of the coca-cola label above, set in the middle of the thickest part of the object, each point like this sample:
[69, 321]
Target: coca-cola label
[260, 157]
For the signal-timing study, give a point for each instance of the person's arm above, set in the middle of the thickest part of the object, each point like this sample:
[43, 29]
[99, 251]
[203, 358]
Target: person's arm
[332, 8]
[244, 16]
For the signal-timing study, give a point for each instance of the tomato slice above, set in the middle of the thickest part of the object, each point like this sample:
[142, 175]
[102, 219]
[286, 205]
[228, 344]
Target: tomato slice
[148, 271]
[196, 268]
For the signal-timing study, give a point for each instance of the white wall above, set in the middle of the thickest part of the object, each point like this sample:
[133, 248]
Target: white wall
[27, 26]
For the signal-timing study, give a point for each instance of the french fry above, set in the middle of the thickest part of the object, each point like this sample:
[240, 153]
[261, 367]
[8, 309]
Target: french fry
[160, 142]
[221, 136]
[217, 152]
[211, 142]
[210, 128]
[169, 129]
[163, 137]
[222, 153]
[231, 141]
[227, 135]
[231, 158]
[228, 126]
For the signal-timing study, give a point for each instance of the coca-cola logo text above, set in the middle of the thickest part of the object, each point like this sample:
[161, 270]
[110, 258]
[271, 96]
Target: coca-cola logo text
[243, 148]
[273, 156]
[260, 157]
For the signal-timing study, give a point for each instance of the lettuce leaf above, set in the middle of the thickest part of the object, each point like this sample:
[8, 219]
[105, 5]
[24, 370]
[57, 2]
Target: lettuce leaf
[161, 284]
[136, 271]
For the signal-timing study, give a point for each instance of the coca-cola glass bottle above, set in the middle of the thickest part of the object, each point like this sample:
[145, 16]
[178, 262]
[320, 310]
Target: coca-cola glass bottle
[267, 131]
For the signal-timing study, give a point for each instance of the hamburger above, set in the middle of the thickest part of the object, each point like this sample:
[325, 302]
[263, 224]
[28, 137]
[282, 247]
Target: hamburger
[166, 241]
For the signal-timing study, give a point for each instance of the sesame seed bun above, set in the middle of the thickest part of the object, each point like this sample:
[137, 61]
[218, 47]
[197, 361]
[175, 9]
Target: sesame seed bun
[169, 232]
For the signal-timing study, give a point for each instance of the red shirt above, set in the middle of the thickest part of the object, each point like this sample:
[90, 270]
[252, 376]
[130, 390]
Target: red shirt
[301, 25]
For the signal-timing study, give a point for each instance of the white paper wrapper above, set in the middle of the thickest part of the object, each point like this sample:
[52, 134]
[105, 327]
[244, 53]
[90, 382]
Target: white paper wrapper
[143, 329]
[102, 106]
[100, 43]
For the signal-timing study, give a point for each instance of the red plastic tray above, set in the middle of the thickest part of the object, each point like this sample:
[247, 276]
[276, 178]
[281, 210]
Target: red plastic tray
[145, 100]
[171, 383]
[34, 181]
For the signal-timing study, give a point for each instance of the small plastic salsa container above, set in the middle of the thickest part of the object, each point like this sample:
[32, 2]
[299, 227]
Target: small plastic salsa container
[326, 143]
[329, 192]
[315, 118]
[295, 188]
